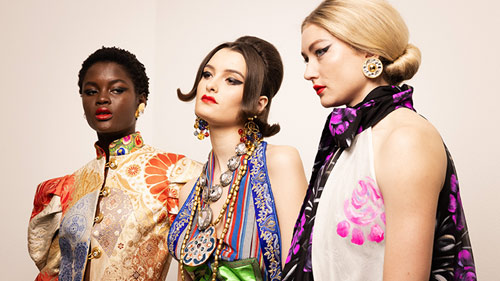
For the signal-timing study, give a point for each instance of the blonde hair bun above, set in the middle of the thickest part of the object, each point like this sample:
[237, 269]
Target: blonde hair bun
[404, 67]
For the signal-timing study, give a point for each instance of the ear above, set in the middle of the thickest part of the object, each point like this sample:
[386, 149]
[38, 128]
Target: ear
[370, 55]
[142, 99]
[263, 100]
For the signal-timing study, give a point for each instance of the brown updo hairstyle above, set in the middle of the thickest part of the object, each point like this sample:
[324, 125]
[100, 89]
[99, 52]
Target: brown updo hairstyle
[372, 26]
[264, 77]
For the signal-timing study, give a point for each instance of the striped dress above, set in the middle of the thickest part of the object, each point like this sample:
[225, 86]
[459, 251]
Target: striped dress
[253, 231]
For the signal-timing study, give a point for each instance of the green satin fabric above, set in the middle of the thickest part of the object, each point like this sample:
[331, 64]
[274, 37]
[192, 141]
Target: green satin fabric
[241, 270]
[247, 269]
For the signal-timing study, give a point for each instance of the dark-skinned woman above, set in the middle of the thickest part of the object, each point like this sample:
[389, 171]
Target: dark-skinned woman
[109, 219]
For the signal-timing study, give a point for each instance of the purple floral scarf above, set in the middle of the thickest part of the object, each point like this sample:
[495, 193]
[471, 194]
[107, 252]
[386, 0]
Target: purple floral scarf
[452, 254]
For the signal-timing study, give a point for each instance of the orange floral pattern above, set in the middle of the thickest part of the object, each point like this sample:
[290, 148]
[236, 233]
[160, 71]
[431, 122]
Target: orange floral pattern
[62, 187]
[156, 177]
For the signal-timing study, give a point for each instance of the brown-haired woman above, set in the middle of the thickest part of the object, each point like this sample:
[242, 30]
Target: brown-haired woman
[237, 221]
[383, 202]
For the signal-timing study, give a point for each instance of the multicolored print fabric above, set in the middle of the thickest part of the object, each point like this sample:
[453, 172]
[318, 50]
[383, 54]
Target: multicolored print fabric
[119, 213]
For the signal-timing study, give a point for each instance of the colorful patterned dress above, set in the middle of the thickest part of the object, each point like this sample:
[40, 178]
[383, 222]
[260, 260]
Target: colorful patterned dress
[119, 222]
[252, 246]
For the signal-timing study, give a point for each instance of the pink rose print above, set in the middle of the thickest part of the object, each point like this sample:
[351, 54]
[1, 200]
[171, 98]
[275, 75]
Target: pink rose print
[362, 209]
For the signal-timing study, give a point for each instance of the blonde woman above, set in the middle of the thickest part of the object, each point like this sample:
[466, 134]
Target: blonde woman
[383, 201]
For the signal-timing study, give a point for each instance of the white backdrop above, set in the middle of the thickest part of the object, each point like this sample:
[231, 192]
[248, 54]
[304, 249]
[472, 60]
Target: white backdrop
[45, 134]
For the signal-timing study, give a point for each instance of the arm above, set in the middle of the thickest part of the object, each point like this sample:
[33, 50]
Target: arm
[410, 163]
[51, 200]
[289, 185]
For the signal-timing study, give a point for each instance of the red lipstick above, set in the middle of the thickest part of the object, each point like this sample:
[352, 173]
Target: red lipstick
[319, 88]
[103, 114]
[208, 99]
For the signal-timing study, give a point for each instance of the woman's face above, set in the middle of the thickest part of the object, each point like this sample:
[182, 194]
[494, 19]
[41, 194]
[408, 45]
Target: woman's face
[220, 91]
[109, 100]
[334, 68]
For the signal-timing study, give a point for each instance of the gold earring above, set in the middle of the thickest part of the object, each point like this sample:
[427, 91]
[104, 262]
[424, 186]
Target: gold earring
[140, 110]
[372, 68]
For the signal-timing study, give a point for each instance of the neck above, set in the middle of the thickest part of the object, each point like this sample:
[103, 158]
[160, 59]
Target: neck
[224, 140]
[364, 91]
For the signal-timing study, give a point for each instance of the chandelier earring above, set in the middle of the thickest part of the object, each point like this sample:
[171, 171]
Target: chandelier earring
[140, 110]
[250, 132]
[372, 68]
[201, 129]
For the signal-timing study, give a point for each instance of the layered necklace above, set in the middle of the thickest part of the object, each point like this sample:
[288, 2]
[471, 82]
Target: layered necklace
[199, 249]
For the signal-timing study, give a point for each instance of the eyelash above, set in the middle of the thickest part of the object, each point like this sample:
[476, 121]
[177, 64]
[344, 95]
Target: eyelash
[322, 51]
[115, 91]
[230, 80]
[90, 92]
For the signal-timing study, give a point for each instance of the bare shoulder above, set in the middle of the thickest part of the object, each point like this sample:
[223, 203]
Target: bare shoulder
[405, 130]
[407, 146]
[280, 156]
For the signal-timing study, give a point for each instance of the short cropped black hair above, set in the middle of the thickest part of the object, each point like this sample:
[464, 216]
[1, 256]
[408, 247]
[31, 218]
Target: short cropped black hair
[129, 61]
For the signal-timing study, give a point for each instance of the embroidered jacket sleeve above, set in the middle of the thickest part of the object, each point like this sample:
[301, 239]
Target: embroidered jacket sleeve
[183, 171]
[51, 200]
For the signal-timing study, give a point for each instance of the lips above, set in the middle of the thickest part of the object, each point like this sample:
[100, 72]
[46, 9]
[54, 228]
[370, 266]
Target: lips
[103, 114]
[208, 99]
[319, 88]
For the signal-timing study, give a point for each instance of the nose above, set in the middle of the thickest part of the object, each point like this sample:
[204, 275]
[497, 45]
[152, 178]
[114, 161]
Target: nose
[103, 97]
[211, 85]
[311, 71]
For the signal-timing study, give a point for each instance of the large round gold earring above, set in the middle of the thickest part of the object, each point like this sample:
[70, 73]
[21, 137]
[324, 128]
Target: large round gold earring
[372, 68]
[140, 110]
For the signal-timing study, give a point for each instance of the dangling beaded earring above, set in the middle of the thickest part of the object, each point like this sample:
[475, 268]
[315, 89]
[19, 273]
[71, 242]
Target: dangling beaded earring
[372, 68]
[140, 110]
[201, 129]
[250, 132]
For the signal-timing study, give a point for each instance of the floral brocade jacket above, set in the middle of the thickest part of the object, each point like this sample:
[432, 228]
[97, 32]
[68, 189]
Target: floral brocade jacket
[115, 224]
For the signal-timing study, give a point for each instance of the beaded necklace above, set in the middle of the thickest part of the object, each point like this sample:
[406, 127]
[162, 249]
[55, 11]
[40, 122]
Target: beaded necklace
[200, 248]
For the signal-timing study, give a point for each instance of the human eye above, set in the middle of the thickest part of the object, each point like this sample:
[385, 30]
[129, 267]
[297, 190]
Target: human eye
[206, 74]
[118, 90]
[233, 81]
[321, 51]
[89, 92]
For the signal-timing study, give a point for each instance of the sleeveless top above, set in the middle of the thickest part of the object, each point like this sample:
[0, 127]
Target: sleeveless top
[347, 242]
[350, 220]
[253, 232]
[137, 201]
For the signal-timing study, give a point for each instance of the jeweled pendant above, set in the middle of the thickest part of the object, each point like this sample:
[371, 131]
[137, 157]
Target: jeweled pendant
[206, 194]
[204, 218]
[203, 180]
[226, 178]
[200, 247]
[233, 163]
[241, 149]
[215, 192]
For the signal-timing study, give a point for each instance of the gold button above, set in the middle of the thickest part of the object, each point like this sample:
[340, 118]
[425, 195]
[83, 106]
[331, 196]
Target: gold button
[112, 164]
[105, 191]
[95, 254]
[98, 218]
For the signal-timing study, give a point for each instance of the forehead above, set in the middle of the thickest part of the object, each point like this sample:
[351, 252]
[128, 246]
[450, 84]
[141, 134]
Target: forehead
[227, 59]
[312, 34]
[107, 71]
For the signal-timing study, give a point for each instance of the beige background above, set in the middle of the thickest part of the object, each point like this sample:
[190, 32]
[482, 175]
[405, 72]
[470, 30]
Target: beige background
[45, 134]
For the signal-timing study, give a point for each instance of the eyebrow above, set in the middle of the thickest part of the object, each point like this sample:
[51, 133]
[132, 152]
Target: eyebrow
[312, 45]
[110, 82]
[228, 70]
